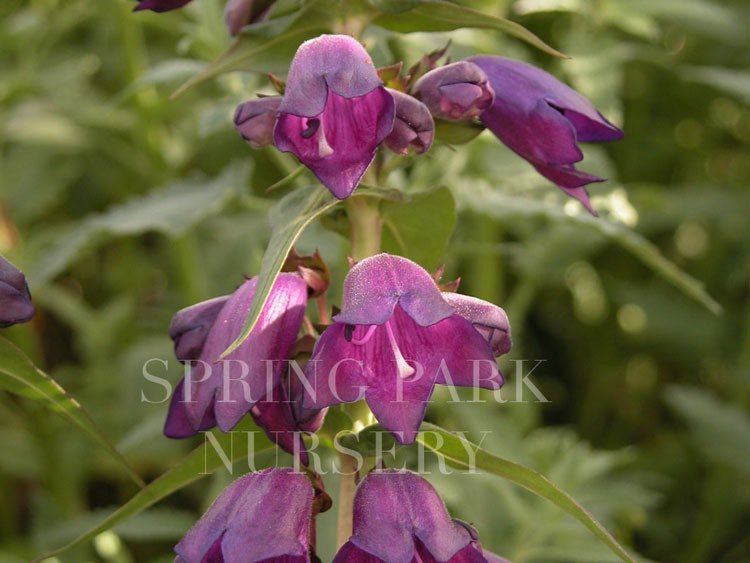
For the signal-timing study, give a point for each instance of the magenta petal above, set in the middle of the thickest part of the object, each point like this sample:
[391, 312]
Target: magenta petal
[490, 320]
[414, 127]
[178, 424]
[456, 91]
[375, 285]
[398, 514]
[263, 516]
[338, 144]
[337, 63]
[233, 385]
[350, 553]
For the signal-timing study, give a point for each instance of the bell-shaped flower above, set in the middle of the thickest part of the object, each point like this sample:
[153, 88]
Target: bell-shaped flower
[160, 5]
[400, 518]
[263, 516]
[15, 299]
[253, 377]
[542, 120]
[335, 111]
[414, 127]
[394, 339]
[254, 120]
[456, 91]
[489, 319]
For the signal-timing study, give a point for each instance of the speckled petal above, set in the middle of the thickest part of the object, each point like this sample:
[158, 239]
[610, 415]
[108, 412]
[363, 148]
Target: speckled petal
[240, 519]
[375, 285]
[395, 512]
[490, 320]
[189, 327]
[330, 62]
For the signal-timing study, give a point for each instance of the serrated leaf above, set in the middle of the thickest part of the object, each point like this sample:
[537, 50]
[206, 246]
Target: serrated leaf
[198, 464]
[420, 228]
[454, 449]
[20, 376]
[289, 217]
[439, 15]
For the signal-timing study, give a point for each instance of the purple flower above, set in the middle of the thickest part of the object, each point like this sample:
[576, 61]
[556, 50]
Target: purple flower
[254, 120]
[263, 516]
[456, 91]
[160, 5]
[400, 518]
[394, 339]
[542, 119]
[251, 379]
[15, 299]
[414, 126]
[335, 111]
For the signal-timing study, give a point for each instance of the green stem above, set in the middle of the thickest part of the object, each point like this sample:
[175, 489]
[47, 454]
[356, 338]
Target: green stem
[366, 225]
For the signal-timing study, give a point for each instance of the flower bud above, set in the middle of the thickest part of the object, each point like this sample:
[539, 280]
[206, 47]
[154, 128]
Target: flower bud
[254, 120]
[414, 126]
[15, 299]
[456, 91]
[160, 5]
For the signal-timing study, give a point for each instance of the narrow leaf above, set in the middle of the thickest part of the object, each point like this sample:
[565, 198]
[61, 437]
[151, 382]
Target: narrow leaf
[20, 376]
[291, 215]
[454, 449]
[439, 15]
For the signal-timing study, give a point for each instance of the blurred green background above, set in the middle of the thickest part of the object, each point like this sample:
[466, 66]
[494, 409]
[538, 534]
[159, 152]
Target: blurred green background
[123, 206]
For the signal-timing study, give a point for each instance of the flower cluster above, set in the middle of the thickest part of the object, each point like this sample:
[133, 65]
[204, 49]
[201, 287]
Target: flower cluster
[336, 111]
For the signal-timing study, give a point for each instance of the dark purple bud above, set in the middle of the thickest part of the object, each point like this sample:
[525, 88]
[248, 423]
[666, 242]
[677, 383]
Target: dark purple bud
[456, 91]
[542, 119]
[489, 319]
[189, 327]
[239, 13]
[414, 126]
[160, 5]
[263, 516]
[254, 120]
[394, 339]
[335, 111]
[15, 299]
[398, 516]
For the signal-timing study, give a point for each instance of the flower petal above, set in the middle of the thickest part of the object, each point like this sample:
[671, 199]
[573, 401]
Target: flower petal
[375, 285]
[15, 299]
[338, 143]
[414, 126]
[489, 319]
[189, 327]
[255, 120]
[160, 5]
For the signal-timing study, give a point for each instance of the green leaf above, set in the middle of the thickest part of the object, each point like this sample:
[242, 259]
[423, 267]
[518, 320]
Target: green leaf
[171, 210]
[420, 229]
[454, 449]
[198, 464]
[21, 377]
[289, 217]
[439, 15]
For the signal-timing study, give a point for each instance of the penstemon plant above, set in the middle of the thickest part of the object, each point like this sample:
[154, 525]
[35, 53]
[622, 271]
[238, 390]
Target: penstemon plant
[352, 381]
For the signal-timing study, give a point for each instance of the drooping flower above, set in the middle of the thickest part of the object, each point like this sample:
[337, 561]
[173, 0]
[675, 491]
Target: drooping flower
[457, 91]
[414, 127]
[263, 516]
[160, 5]
[15, 299]
[394, 339]
[254, 120]
[253, 377]
[400, 518]
[335, 111]
[542, 119]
